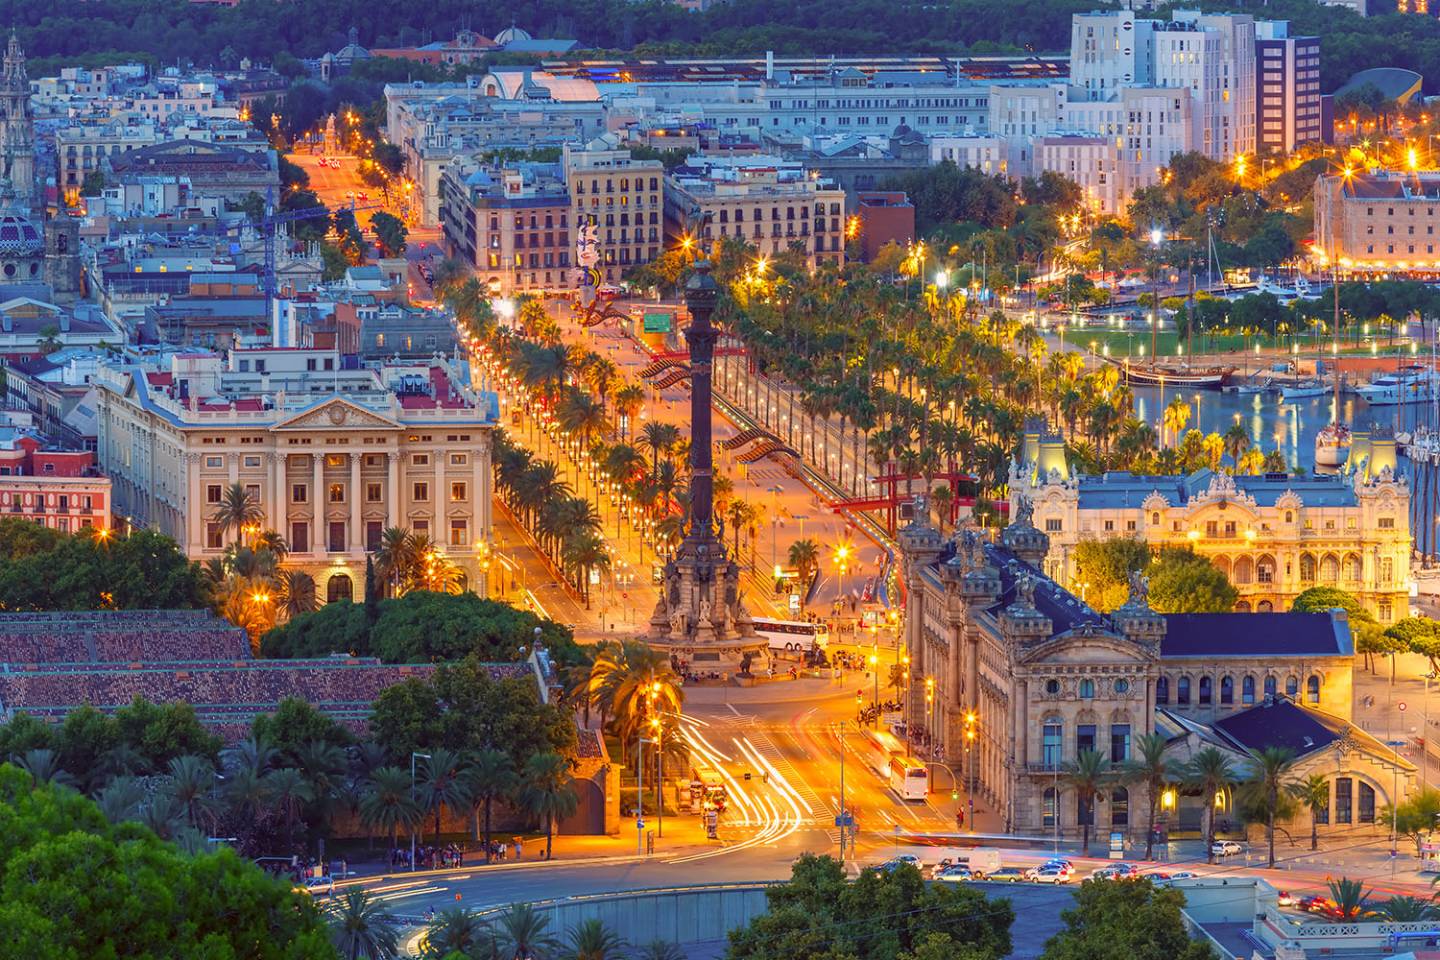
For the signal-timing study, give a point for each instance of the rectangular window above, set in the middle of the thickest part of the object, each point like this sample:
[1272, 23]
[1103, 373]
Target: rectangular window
[372, 493]
[298, 493]
[421, 527]
[457, 491]
[459, 533]
[337, 536]
[1052, 525]
[337, 493]
[214, 462]
[300, 537]
[214, 536]
[1084, 737]
[1367, 803]
[458, 460]
[373, 530]
[1051, 745]
[1119, 742]
[420, 459]
[421, 493]
[212, 493]
[1343, 799]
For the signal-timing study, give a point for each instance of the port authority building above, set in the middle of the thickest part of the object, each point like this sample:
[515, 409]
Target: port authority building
[1046, 677]
[1273, 535]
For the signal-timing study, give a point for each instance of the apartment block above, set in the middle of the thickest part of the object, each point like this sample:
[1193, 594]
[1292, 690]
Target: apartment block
[623, 197]
[511, 223]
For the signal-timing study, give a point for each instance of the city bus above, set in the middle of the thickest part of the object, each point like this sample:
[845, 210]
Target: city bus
[792, 636]
[905, 774]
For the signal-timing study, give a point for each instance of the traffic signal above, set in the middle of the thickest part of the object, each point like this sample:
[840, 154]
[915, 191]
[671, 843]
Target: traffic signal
[954, 794]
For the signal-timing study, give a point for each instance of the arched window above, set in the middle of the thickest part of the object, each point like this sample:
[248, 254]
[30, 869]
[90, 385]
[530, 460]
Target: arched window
[1265, 569]
[1307, 568]
[1352, 568]
[1162, 690]
[1206, 693]
[339, 587]
[1329, 569]
[1182, 693]
[1242, 606]
[1247, 690]
[1047, 815]
[1289, 516]
[1052, 737]
[1120, 807]
[1264, 606]
[1154, 518]
[1292, 687]
[1269, 686]
[1227, 690]
[1243, 571]
[1367, 803]
[1312, 689]
[1087, 689]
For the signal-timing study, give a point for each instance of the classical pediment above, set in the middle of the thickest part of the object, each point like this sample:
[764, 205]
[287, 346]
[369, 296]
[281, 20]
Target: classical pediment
[337, 414]
[1087, 644]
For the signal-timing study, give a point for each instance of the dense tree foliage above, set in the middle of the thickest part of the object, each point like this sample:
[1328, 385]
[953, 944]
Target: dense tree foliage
[463, 709]
[822, 915]
[43, 569]
[73, 885]
[420, 627]
[1182, 581]
[1125, 918]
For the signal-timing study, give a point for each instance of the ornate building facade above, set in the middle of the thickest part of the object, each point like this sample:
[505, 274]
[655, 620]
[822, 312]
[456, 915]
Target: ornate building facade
[1273, 535]
[332, 457]
[17, 124]
[1013, 676]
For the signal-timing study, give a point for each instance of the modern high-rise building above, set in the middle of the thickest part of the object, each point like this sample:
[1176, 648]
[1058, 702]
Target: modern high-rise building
[1288, 88]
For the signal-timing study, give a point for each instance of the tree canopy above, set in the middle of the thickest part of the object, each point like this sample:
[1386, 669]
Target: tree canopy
[1125, 918]
[892, 915]
[1182, 581]
[72, 885]
[1103, 568]
[44, 569]
[461, 707]
[420, 627]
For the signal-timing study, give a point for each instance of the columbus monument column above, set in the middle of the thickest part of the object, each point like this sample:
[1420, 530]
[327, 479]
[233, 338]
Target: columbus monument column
[700, 617]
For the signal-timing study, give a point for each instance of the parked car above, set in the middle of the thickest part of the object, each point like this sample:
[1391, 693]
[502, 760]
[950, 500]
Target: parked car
[1225, 848]
[1006, 875]
[1115, 871]
[1048, 874]
[956, 874]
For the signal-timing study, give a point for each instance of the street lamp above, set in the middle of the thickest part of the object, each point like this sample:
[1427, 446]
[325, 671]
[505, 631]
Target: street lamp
[875, 672]
[413, 755]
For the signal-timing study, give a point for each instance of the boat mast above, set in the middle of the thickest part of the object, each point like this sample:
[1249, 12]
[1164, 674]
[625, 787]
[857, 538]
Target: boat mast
[1335, 332]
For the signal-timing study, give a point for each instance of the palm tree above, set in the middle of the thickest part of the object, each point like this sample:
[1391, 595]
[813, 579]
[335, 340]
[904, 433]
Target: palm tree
[271, 542]
[1087, 776]
[582, 553]
[547, 792]
[237, 509]
[804, 556]
[521, 934]
[1148, 769]
[1313, 792]
[455, 931]
[396, 559]
[1408, 909]
[1267, 780]
[628, 400]
[443, 784]
[660, 950]
[248, 792]
[290, 792]
[1210, 772]
[1350, 898]
[295, 593]
[491, 777]
[660, 438]
[360, 928]
[120, 799]
[192, 778]
[631, 681]
[43, 765]
[1176, 416]
[592, 940]
[1237, 441]
[388, 803]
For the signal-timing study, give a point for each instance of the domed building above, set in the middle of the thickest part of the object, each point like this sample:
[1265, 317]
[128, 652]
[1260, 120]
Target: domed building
[22, 242]
[510, 34]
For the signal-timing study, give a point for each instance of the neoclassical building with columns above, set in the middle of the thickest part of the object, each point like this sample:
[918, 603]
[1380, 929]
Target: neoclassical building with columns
[1273, 535]
[1045, 677]
[332, 453]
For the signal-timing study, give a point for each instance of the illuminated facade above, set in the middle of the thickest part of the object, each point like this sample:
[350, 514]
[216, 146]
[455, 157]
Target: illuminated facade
[1274, 536]
[1379, 221]
[332, 456]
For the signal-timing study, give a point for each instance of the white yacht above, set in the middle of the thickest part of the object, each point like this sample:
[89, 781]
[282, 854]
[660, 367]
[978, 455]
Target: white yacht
[1395, 388]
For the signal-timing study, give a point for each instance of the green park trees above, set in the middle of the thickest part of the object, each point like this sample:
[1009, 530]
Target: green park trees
[1125, 918]
[881, 916]
[140, 894]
